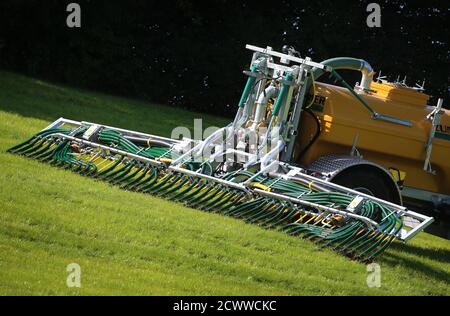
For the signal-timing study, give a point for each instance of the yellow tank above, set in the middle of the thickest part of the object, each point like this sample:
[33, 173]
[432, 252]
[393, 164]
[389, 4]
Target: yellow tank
[344, 119]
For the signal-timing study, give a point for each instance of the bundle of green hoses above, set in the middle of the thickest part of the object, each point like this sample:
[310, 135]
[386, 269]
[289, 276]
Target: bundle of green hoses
[349, 236]
[112, 137]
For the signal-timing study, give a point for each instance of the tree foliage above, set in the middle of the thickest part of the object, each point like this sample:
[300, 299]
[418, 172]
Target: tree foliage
[191, 53]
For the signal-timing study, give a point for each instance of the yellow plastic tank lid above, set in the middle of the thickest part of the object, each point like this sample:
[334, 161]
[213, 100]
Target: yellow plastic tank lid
[396, 93]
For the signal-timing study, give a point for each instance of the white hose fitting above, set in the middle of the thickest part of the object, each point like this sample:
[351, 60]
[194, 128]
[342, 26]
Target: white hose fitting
[261, 104]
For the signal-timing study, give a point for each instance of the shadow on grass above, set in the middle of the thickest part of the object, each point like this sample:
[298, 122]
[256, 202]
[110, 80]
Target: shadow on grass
[441, 255]
[394, 257]
[419, 267]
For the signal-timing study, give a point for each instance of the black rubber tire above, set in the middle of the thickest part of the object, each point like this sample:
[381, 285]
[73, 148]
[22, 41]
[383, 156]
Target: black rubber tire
[355, 178]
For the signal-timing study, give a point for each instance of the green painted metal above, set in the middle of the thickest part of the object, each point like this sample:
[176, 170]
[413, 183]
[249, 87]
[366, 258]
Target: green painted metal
[281, 100]
[248, 86]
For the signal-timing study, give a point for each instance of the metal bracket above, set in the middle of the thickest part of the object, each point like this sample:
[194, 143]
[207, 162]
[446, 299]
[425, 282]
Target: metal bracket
[355, 152]
[435, 117]
[285, 56]
[391, 119]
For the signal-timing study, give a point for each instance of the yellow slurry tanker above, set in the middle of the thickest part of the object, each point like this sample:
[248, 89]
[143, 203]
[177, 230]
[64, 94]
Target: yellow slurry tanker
[388, 127]
[400, 147]
[329, 163]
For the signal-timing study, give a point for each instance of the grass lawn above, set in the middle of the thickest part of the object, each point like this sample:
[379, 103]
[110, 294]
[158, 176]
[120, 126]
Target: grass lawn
[129, 243]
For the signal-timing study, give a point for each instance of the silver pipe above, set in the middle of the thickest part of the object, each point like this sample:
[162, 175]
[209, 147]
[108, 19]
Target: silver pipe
[367, 75]
[261, 104]
[210, 139]
[266, 135]
[348, 63]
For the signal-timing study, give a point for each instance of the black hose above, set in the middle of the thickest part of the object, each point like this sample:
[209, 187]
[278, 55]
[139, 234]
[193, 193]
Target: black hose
[316, 135]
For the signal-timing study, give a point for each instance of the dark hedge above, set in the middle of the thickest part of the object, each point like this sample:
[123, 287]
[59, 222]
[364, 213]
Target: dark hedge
[191, 53]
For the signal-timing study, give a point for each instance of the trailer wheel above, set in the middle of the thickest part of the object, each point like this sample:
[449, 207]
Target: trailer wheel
[369, 181]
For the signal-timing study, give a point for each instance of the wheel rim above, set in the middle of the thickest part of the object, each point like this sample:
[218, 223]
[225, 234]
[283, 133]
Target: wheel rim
[364, 190]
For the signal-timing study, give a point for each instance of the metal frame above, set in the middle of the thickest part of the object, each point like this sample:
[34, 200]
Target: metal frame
[294, 173]
[307, 61]
[267, 51]
[61, 121]
[243, 186]
[423, 195]
[111, 149]
[424, 221]
[268, 162]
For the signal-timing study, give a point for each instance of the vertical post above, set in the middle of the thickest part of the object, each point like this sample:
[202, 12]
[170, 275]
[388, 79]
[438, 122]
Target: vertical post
[435, 115]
